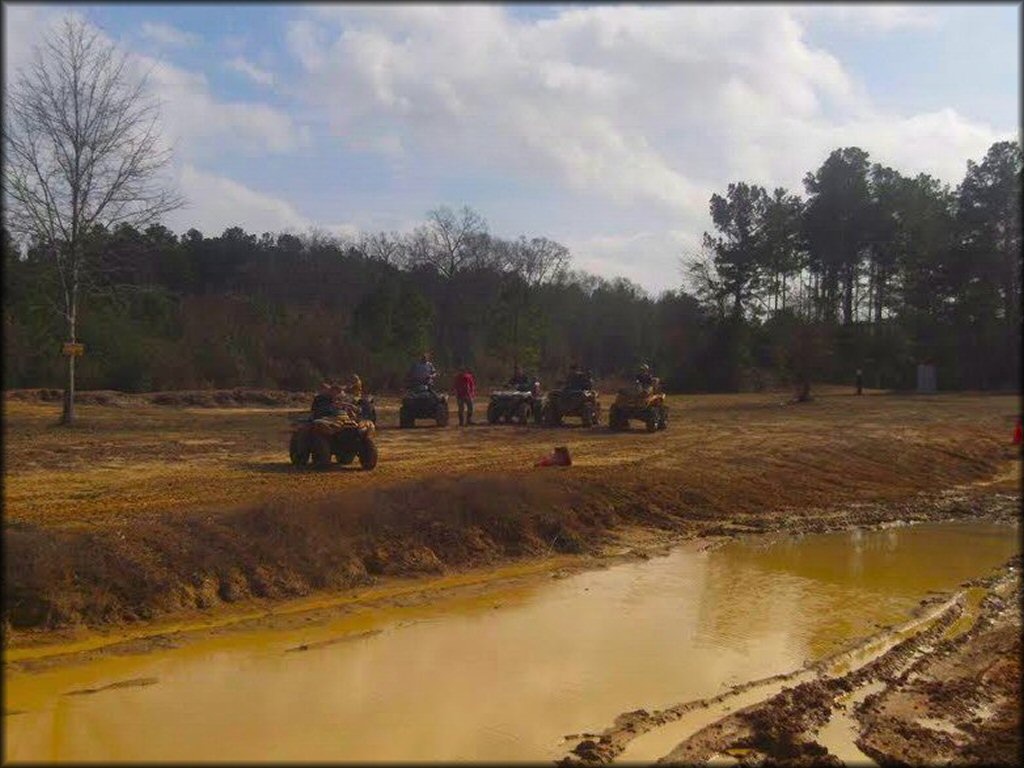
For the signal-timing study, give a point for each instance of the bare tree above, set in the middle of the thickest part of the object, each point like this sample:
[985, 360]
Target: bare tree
[531, 263]
[453, 239]
[83, 150]
[386, 247]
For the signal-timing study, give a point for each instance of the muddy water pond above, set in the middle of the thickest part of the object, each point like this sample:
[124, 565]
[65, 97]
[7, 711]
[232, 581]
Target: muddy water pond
[504, 676]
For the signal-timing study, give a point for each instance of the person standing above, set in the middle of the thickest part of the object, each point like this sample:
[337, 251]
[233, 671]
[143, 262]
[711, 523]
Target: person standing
[465, 391]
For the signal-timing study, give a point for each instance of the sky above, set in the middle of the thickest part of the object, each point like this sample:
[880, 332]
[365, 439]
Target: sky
[604, 127]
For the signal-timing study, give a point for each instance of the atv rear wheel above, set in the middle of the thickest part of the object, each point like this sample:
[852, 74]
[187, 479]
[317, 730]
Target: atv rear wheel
[523, 414]
[404, 420]
[587, 417]
[298, 449]
[321, 448]
[368, 454]
[616, 421]
[442, 415]
[549, 416]
[652, 419]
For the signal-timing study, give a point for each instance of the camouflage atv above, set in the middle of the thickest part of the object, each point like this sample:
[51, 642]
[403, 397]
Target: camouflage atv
[645, 404]
[560, 403]
[508, 404]
[422, 402]
[345, 437]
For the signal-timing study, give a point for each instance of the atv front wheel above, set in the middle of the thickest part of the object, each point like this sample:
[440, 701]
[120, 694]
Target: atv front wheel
[298, 449]
[492, 414]
[663, 423]
[442, 415]
[404, 421]
[368, 454]
[321, 447]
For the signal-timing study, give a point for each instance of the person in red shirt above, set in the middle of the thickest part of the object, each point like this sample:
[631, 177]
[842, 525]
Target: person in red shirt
[465, 391]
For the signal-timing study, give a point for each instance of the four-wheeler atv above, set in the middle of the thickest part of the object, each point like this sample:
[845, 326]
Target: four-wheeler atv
[508, 404]
[367, 408]
[345, 436]
[422, 402]
[644, 403]
[560, 403]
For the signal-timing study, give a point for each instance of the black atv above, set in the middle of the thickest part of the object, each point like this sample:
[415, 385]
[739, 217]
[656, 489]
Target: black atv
[518, 404]
[422, 402]
[559, 403]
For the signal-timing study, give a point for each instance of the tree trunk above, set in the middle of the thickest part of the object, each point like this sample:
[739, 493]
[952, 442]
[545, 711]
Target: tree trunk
[847, 296]
[68, 416]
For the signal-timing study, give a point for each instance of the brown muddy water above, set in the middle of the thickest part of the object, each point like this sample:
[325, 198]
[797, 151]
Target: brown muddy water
[506, 676]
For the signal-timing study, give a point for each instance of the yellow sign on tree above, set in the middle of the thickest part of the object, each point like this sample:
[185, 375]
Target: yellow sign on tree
[73, 348]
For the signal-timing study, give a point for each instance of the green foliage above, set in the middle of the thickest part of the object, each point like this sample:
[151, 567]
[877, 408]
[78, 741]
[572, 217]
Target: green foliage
[873, 271]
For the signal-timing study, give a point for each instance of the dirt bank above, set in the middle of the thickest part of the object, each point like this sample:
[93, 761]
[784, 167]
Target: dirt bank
[141, 513]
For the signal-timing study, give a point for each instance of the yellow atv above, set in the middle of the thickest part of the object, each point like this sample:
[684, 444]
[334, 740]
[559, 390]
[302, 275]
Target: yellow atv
[344, 436]
[644, 403]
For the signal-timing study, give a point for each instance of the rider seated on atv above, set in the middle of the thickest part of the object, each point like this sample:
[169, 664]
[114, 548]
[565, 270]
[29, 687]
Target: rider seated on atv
[326, 401]
[423, 373]
[644, 380]
[578, 380]
[354, 388]
[520, 382]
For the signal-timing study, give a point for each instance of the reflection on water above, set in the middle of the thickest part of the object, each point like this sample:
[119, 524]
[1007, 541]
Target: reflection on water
[506, 675]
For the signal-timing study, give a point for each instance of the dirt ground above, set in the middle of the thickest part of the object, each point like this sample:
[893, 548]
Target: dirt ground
[142, 510]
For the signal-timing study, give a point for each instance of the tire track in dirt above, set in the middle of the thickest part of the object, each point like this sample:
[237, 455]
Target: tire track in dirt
[842, 707]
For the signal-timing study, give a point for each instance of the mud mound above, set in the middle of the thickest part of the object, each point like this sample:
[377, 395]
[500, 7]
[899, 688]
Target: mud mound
[202, 398]
[94, 397]
[226, 398]
[59, 577]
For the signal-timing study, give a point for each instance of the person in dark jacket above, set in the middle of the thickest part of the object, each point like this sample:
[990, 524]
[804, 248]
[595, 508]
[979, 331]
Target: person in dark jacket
[520, 382]
[644, 379]
[465, 391]
[578, 380]
[325, 402]
[423, 372]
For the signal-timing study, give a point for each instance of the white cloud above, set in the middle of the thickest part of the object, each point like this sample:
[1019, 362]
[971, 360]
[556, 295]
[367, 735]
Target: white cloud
[217, 202]
[165, 34]
[197, 123]
[250, 70]
[200, 125]
[640, 109]
[24, 26]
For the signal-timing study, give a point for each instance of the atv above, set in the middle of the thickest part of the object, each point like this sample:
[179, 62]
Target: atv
[422, 402]
[560, 403]
[345, 436]
[644, 403]
[508, 404]
[367, 408]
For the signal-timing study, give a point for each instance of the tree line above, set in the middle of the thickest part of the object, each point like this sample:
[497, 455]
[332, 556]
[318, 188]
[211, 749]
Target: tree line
[869, 270]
